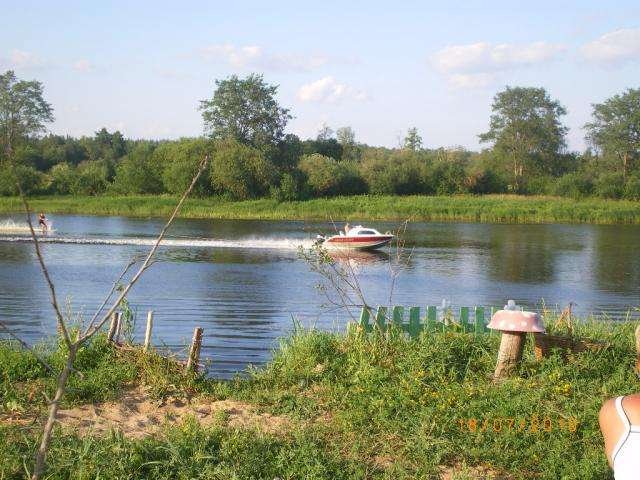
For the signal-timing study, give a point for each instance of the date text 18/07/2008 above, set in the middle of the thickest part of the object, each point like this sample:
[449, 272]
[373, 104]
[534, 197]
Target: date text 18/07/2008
[533, 424]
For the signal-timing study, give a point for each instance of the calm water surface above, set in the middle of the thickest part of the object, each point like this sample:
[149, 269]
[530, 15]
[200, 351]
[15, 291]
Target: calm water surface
[244, 283]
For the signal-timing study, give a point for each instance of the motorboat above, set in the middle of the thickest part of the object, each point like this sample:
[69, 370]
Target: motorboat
[356, 238]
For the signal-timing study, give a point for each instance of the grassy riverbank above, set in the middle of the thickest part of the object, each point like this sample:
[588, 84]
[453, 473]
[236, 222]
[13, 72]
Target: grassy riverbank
[328, 406]
[489, 208]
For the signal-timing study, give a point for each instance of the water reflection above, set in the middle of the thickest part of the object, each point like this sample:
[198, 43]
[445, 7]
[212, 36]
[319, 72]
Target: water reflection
[246, 289]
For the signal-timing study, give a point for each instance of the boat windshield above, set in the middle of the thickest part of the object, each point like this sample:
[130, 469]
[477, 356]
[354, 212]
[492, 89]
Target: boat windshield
[367, 232]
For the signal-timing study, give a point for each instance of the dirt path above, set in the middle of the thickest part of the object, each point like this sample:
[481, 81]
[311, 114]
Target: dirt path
[137, 416]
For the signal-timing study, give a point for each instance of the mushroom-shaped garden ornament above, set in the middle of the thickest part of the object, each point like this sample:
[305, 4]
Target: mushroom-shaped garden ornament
[514, 325]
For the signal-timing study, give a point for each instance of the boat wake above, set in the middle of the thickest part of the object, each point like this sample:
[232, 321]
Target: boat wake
[245, 243]
[9, 226]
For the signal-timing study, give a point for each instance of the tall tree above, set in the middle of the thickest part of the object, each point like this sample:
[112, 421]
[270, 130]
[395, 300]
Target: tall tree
[23, 110]
[347, 139]
[245, 110]
[413, 140]
[615, 128]
[525, 127]
[325, 133]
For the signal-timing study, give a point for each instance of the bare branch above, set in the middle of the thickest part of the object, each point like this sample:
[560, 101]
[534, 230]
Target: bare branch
[114, 286]
[52, 290]
[150, 255]
[95, 326]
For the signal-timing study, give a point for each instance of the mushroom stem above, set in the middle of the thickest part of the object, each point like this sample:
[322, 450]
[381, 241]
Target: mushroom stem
[510, 353]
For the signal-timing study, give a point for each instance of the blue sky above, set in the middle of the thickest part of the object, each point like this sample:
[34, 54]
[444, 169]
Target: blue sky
[379, 67]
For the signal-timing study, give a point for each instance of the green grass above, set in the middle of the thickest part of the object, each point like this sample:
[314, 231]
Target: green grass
[489, 208]
[361, 406]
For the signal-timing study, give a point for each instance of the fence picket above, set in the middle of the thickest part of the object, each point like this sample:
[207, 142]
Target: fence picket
[365, 316]
[464, 318]
[432, 318]
[479, 320]
[381, 318]
[414, 322]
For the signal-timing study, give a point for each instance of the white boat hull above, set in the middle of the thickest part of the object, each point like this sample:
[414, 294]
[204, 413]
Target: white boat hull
[347, 243]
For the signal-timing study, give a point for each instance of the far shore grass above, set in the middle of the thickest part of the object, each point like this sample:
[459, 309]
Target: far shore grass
[463, 208]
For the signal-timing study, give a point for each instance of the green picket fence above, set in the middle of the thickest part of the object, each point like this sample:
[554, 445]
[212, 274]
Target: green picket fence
[417, 323]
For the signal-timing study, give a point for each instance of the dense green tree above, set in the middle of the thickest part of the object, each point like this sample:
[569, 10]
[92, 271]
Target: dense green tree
[64, 178]
[328, 148]
[108, 145]
[292, 187]
[413, 140]
[288, 152]
[92, 178]
[178, 161]
[240, 171]
[23, 110]
[615, 129]
[394, 172]
[31, 181]
[525, 128]
[327, 177]
[137, 172]
[245, 110]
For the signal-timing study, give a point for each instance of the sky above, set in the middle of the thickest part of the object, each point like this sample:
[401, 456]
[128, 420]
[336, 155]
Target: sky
[380, 67]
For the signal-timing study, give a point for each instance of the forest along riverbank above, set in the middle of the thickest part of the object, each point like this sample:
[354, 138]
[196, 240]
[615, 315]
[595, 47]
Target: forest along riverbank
[467, 208]
[423, 408]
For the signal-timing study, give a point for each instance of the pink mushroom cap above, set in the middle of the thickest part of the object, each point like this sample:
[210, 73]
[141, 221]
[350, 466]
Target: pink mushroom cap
[516, 321]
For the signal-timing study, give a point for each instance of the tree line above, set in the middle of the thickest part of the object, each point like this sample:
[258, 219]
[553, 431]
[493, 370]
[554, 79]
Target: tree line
[253, 156]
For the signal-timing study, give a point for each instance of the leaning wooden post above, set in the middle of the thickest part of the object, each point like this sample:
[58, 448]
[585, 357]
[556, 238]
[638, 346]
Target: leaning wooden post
[194, 351]
[118, 326]
[112, 327]
[147, 333]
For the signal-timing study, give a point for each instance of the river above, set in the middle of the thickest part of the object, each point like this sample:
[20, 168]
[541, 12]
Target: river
[245, 283]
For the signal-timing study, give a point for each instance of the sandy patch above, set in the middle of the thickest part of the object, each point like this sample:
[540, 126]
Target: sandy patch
[467, 472]
[137, 416]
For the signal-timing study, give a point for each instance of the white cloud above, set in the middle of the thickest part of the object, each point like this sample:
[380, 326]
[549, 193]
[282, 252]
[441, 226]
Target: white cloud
[471, 80]
[614, 47]
[20, 59]
[83, 66]
[474, 65]
[328, 90]
[253, 56]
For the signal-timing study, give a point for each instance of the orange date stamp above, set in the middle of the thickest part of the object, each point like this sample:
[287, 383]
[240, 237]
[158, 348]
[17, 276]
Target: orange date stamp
[527, 425]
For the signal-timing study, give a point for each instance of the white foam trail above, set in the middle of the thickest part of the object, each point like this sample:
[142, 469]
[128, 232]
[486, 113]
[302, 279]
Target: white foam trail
[246, 243]
[9, 226]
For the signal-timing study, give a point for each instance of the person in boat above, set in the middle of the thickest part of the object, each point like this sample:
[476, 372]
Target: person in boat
[346, 228]
[42, 221]
[620, 426]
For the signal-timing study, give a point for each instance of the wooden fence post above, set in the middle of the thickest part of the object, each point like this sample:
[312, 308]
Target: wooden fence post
[112, 327]
[118, 326]
[147, 333]
[194, 351]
